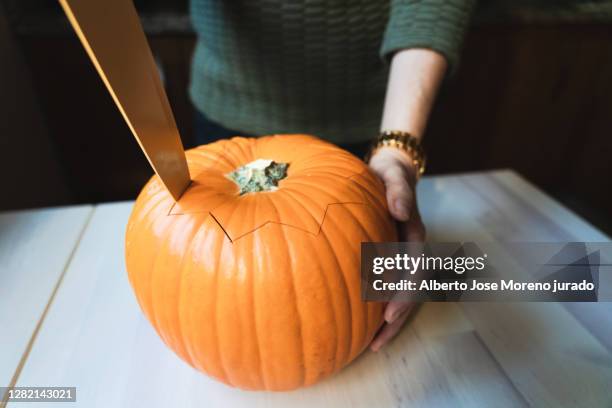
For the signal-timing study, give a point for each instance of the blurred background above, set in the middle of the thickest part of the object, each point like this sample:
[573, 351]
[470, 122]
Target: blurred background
[533, 93]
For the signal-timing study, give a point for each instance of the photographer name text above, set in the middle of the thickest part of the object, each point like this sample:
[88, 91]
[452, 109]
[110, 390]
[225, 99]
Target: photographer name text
[503, 285]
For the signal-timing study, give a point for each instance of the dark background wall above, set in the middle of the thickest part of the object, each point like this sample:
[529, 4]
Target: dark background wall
[26, 148]
[533, 93]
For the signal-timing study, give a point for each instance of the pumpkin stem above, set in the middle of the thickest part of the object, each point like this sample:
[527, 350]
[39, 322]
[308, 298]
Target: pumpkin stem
[259, 175]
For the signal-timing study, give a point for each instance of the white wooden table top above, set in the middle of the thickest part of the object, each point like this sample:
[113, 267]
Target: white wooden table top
[68, 318]
[35, 249]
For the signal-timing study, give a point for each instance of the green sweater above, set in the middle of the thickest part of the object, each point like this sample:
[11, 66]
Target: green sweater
[311, 66]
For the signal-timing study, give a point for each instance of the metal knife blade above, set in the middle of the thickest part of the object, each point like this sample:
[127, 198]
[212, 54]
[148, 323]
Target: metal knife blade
[113, 37]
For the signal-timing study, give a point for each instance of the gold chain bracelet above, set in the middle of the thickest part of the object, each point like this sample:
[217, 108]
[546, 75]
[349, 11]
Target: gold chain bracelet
[403, 141]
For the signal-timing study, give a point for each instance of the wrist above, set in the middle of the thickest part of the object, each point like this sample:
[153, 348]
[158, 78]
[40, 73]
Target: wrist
[402, 156]
[383, 157]
[402, 147]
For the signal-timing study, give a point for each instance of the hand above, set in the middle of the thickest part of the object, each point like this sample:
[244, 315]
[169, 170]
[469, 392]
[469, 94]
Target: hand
[397, 172]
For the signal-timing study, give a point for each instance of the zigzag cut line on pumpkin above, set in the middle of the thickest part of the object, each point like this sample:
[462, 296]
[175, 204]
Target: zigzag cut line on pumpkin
[320, 223]
[281, 223]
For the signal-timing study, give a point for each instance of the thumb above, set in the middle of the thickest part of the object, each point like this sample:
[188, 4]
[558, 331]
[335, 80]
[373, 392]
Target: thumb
[399, 193]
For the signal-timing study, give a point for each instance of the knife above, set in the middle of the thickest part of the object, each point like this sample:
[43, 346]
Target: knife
[112, 35]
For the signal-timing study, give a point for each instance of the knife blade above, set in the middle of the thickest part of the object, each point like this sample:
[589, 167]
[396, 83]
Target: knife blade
[112, 35]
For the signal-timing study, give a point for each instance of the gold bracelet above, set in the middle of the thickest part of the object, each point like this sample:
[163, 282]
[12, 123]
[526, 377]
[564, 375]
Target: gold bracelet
[403, 141]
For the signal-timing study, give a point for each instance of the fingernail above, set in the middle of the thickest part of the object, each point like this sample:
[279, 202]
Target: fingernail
[393, 317]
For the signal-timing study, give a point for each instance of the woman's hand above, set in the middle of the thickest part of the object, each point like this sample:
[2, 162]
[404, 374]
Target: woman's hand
[414, 79]
[396, 170]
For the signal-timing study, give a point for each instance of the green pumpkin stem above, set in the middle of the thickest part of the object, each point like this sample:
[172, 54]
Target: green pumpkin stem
[259, 175]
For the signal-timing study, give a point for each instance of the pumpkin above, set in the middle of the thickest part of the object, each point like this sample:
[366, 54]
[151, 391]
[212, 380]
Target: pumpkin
[252, 276]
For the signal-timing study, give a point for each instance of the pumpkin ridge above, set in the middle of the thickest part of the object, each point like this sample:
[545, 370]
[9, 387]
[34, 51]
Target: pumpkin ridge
[222, 154]
[289, 251]
[163, 239]
[293, 192]
[205, 351]
[253, 147]
[215, 319]
[185, 316]
[332, 308]
[346, 242]
[235, 148]
[227, 155]
[179, 297]
[215, 157]
[343, 204]
[262, 372]
[333, 198]
[146, 304]
[300, 203]
[353, 337]
[158, 198]
[160, 285]
[313, 146]
[373, 183]
[325, 150]
[347, 187]
[334, 172]
[243, 149]
[338, 363]
[328, 172]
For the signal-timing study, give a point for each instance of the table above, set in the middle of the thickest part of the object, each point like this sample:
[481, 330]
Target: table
[73, 321]
[35, 248]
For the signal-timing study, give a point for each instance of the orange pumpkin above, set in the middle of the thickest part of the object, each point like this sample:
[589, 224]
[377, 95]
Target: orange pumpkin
[260, 290]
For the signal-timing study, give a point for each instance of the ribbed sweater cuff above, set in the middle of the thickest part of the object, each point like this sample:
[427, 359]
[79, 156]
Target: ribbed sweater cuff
[439, 25]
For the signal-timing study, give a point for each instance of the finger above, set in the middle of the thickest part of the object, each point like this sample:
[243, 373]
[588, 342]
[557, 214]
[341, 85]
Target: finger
[388, 332]
[396, 309]
[399, 193]
[413, 230]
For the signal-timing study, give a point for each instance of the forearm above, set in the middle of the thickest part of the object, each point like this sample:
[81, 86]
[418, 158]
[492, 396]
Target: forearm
[414, 79]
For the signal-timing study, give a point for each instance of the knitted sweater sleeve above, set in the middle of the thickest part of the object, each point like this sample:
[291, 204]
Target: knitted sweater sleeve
[439, 25]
